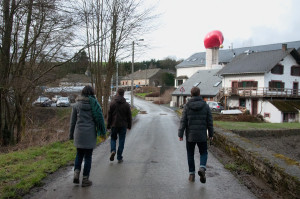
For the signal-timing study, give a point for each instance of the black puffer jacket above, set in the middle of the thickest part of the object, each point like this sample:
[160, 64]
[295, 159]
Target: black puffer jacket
[119, 114]
[196, 120]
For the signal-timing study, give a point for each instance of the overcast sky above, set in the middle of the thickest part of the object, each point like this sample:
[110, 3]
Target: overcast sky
[183, 25]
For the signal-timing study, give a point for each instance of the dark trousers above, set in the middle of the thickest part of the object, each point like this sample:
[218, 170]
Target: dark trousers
[190, 148]
[87, 155]
[115, 133]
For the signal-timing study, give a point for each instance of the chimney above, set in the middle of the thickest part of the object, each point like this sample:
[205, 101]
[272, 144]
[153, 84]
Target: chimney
[212, 57]
[284, 47]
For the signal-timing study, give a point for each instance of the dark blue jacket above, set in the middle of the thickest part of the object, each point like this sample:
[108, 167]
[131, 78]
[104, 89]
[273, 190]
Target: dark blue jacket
[196, 120]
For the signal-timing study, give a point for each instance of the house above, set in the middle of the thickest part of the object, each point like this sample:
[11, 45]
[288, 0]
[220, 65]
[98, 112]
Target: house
[199, 61]
[148, 77]
[257, 80]
[206, 80]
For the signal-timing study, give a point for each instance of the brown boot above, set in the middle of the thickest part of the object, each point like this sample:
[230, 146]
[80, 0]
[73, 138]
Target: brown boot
[76, 176]
[86, 182]
[192, 178]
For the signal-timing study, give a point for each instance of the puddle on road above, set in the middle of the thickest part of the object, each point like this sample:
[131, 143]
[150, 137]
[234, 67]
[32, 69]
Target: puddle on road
[152, 161]
[143, 112]
[163, 114]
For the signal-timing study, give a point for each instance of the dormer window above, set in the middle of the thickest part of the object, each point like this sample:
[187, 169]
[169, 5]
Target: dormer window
[295, 70]
[278, 69]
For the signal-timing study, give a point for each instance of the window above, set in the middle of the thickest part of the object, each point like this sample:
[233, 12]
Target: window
[276, 86]
[267, 115]
[197, 84]
[247, 84]
[243, 102]
[295, 70]
[278, 69]
[180, 81]
[217, 84]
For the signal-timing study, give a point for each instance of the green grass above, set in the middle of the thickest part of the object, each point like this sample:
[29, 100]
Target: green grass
[22, 170]
[143, 95]
[239, 166]
[255, 126]
[134, 112]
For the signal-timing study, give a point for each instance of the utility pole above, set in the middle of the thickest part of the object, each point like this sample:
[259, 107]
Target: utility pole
[132, 71]
[117, 77]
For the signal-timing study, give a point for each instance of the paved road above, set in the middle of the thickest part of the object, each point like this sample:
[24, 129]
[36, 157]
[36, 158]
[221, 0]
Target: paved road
[154, 166]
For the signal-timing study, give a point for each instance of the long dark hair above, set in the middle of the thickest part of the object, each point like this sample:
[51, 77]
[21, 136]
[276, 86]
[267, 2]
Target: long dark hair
[87, 91]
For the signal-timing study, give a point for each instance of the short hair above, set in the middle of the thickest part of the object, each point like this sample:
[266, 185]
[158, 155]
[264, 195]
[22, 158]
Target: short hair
[195, 91]
[121, 91]
[87, 91]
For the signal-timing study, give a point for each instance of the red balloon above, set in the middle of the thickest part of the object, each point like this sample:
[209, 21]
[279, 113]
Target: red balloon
[213, 39]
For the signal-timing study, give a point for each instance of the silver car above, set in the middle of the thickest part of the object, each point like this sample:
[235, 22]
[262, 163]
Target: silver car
[63, 101]
[215, 106]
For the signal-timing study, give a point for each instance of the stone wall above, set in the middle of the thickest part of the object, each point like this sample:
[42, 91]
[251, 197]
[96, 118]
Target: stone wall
[282, 175]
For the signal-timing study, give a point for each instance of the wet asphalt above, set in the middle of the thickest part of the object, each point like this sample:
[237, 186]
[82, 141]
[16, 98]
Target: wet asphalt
[155, 166]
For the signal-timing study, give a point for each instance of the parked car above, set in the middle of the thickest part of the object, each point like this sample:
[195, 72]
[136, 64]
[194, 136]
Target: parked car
[215, 106]
[63, 101]
[42, 101]
[55, 98]
[128, 100]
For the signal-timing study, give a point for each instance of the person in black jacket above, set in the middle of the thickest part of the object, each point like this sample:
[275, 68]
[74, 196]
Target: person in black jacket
[119, 119]
[196, 120]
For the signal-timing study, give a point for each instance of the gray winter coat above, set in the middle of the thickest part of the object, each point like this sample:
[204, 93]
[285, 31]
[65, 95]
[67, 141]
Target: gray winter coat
[196, 120]
[82, 125]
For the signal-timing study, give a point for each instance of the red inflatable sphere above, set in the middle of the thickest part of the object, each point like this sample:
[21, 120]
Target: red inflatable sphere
[213, 39]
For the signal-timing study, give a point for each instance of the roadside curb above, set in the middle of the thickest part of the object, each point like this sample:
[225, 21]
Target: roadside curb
[280, 172]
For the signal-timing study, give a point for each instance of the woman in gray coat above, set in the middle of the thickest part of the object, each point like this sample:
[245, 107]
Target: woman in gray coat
[83, 129]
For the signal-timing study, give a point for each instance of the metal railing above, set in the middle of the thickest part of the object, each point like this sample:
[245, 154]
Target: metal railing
[258, 92]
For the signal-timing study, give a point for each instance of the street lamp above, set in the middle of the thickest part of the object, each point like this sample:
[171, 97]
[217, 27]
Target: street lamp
[132, 71]
[146, 75]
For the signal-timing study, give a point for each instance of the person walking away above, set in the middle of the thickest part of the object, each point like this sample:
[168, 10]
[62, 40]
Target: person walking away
[86, 123]
[196, 120]
[119, 120]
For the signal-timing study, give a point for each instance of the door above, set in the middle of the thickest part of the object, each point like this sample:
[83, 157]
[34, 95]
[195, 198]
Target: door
[295, 88]
[254, 107]
[234, 87]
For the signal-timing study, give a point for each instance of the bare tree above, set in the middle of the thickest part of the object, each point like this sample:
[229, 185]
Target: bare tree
[34, 34]
[112, 25]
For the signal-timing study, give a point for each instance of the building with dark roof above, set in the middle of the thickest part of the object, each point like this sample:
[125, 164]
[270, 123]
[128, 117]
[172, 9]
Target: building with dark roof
[148, 77]
[253, 79]
[198, 61]
[207, 81]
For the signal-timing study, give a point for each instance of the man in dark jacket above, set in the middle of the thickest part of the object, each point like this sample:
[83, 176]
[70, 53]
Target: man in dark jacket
[196, 121]
[119, 119]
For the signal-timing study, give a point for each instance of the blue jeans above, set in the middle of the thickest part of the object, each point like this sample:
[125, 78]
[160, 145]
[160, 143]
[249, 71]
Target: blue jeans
[190, 148]
[87, 155]
[121, 133]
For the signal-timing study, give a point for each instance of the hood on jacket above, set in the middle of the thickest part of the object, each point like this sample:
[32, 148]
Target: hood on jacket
[120, 99]
[83, 103]
[196, 103]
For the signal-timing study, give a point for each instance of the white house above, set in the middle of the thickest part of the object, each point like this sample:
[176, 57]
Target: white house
[257, 80]
[199, 61]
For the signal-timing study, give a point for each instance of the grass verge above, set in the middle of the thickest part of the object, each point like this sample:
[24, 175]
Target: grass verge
[255, 126]
[143, 95]
[22, 170]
